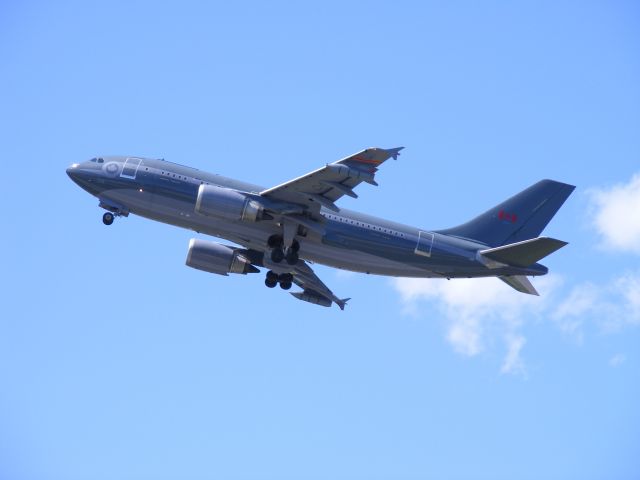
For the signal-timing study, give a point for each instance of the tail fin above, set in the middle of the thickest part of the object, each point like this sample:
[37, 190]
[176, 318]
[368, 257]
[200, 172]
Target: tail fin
[519, 218]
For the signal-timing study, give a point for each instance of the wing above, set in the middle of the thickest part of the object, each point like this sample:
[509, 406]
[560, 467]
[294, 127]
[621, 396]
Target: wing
[324, 186]
[313, 289]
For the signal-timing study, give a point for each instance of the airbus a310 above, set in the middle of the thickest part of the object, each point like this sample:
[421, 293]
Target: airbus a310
[285, 228]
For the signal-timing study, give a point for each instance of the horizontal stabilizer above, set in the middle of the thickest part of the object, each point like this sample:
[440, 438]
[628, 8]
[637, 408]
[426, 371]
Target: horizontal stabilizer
[525, 253]
[520, 283]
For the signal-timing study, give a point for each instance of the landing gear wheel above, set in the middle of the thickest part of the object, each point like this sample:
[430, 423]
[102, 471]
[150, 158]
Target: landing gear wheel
[295, 246]
[274, 241]
[277, 255]
[292, 257]
[285, 285]
[285, 278]
[107, 218]
[271, 280]
[272, 275]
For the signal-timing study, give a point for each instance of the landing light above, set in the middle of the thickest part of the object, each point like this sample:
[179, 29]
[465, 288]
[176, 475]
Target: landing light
[75, 165]
[140, 190]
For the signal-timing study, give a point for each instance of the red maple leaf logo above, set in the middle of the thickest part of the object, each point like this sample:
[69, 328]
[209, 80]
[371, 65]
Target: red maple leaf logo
[507, 217]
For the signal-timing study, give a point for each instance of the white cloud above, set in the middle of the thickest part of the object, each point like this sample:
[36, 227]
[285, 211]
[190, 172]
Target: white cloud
[617, 360]
[479, 310]
[513, 362]
[629, 288]
[616, 215]
[571, 313]
[610, 306]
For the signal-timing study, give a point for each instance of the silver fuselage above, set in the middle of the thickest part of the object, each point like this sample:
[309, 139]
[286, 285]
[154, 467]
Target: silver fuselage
[166, 192]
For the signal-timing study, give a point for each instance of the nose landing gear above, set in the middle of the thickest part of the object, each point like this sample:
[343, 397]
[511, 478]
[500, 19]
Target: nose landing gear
[113, 210]
[107, 218]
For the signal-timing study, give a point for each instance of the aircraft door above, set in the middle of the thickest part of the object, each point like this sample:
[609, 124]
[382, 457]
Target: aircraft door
[425, 244]
[130, 168]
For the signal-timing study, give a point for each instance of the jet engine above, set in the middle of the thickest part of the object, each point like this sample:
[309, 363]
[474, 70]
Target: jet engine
[216, 258]
[214, 201]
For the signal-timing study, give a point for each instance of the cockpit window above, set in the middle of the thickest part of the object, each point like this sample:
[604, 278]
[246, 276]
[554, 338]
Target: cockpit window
[100, 160]
[93, 160]
[97, 160]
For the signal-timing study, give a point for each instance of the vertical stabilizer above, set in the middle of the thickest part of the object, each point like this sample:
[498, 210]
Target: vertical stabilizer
[519, 218]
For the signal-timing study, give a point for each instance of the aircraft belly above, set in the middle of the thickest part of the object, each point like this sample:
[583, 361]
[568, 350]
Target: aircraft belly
[181, 213]
[358, 254]
[133, 199]
[357, 261]
[398, 255]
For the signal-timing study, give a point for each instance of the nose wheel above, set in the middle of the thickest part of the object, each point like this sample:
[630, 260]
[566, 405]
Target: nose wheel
[107, 218]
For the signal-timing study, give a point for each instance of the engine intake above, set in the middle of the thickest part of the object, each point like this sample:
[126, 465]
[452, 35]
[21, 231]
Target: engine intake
[214, 201]
[216, 258]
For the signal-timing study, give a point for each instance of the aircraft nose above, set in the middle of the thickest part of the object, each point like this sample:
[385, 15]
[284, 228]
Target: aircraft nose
[72, 171]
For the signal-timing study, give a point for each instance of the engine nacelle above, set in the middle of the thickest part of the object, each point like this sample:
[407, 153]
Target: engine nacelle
[215, 258]
[214, 201]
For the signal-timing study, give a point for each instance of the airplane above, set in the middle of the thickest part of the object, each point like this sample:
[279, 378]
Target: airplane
[287, 228]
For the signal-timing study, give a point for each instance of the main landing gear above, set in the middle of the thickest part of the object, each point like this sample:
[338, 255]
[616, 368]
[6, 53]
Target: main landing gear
[280, 253]
[285, 280]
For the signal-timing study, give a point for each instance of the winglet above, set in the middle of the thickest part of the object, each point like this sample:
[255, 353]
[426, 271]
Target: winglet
[342, 302]
[394, 152]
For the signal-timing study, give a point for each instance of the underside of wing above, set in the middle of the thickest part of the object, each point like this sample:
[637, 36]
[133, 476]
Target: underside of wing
[313, 289]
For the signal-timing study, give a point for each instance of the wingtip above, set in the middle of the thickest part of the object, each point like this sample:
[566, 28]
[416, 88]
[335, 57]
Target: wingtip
[394, 152]
[342, 302]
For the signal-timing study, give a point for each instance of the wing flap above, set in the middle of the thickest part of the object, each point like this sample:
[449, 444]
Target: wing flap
[322, 187]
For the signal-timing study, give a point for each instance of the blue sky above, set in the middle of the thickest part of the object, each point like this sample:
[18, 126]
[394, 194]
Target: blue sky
[117, 361]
